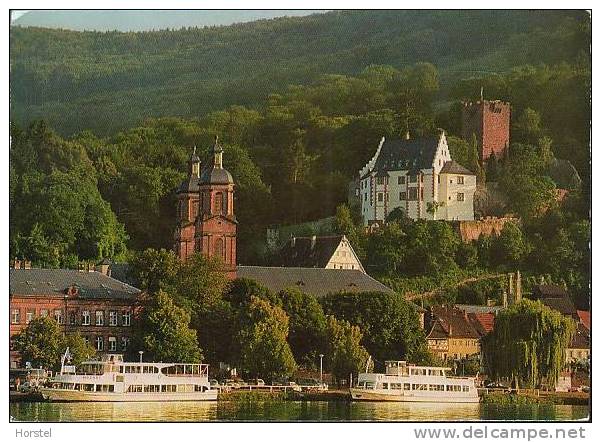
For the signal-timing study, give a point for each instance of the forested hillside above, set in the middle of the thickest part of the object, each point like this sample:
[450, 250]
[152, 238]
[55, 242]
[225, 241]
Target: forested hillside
[105, 82]
[97, 177]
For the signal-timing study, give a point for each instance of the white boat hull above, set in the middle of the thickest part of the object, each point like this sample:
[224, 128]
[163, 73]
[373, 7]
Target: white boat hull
[360, 394]
[60, 395]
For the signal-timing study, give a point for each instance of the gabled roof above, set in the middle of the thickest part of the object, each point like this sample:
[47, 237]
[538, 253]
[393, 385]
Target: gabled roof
[309, 251]
[469, 308]
[403, 154]
[315, 281]
[56, 282]
[451, 322]
[456, 168]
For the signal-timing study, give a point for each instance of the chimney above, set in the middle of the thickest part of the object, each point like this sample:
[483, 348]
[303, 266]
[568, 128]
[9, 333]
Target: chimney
[511, 291]
[313, 241]
[293, 240]
[504, 298]
[450, 330]
[407, 135]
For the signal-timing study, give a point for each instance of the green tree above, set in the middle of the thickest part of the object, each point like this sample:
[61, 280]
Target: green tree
[510, 248]
[307, 325]
[165, 331]
[78, 347]
[154, 269]
[264, 351]
[344, 352]
[40, 343]
[390, 325]
[528, 343]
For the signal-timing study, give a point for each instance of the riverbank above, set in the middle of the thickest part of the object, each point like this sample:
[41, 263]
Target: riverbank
[536, 397]
[259, 395]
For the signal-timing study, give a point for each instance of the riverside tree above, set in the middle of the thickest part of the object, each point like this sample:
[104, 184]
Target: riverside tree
[389, 324]
[165, 331]
[264, 350]
[344, 352]
[42, 343]
[528, 343]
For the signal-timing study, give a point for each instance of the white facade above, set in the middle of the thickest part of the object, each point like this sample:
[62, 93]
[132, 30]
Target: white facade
[344, 257]
[411, 174]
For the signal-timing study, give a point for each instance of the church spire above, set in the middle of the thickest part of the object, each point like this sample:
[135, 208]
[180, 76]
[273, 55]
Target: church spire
[217, 153]
[194, 165]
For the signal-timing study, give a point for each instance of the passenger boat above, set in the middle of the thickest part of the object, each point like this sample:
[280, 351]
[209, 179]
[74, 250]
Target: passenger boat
[410, 383]
[112, 380]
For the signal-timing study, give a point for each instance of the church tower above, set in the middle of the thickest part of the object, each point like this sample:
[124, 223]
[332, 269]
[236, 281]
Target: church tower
[187, 209]
[215, 233]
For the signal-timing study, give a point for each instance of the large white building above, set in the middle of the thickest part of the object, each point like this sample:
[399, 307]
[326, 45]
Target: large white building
[419, 177]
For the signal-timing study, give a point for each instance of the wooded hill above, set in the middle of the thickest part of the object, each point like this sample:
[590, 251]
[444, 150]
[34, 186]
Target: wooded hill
[106, 82]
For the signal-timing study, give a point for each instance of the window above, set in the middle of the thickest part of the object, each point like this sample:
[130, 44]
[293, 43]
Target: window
[219, 248]
[99, 343]
[402, 179]
[29, 316]
[412, 193]
[126, 318]
[218, 204]
[460, 196]
[44, 313]
[380, 197]
[421, 193]
[85, 317]
[58, 316]
[113, 318]
[72, 318]
[365, 197]
[124, 343]
[87, 339]
[15, 316]
[412, 178]
[112, 343]
[380, 180]
[99, 317]
[403, 196]
[459, 180]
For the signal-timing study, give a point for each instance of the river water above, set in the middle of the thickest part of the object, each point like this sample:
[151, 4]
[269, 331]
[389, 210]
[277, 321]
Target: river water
[287, 411]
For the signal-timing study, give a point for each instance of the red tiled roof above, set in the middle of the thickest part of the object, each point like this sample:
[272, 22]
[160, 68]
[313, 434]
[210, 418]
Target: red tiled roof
[452, 322]
[585, 318]
[483, 322]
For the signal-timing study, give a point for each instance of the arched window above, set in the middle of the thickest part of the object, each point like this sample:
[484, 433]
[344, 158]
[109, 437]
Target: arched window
[220, 248]
[218, 204]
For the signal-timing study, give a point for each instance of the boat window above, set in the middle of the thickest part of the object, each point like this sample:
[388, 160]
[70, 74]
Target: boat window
[199, 388]
[420, 387]
[396, 386]
[385, 385]
[466, 388]
[407, 386]
[436, 387]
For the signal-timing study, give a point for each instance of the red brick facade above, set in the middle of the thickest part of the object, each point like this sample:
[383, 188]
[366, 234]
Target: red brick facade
[489, 121]
[104, 321]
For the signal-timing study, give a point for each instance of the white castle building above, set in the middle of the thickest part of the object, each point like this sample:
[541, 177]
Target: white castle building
[419, 177]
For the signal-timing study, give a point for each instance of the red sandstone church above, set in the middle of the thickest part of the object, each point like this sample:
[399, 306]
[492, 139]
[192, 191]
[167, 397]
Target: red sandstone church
[205, 213]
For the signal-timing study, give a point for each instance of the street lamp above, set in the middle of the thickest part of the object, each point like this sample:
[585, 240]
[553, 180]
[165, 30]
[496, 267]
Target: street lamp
[141, 353]
[321, 370]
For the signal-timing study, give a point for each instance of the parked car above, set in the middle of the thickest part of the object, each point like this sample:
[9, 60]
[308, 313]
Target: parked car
[495, 385]
[257, 382]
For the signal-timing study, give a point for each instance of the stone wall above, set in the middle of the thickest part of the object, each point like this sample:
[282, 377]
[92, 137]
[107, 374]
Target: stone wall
[471, 230]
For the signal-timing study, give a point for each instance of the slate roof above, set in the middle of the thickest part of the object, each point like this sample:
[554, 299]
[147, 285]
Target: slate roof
[549, 291]
[307, 251]
[316, 281]
[52, 282]
[455, 167]
[215, 175]
[402, 154]
[479, 308]
[450, 322]
[190, 185]
[581, 339]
